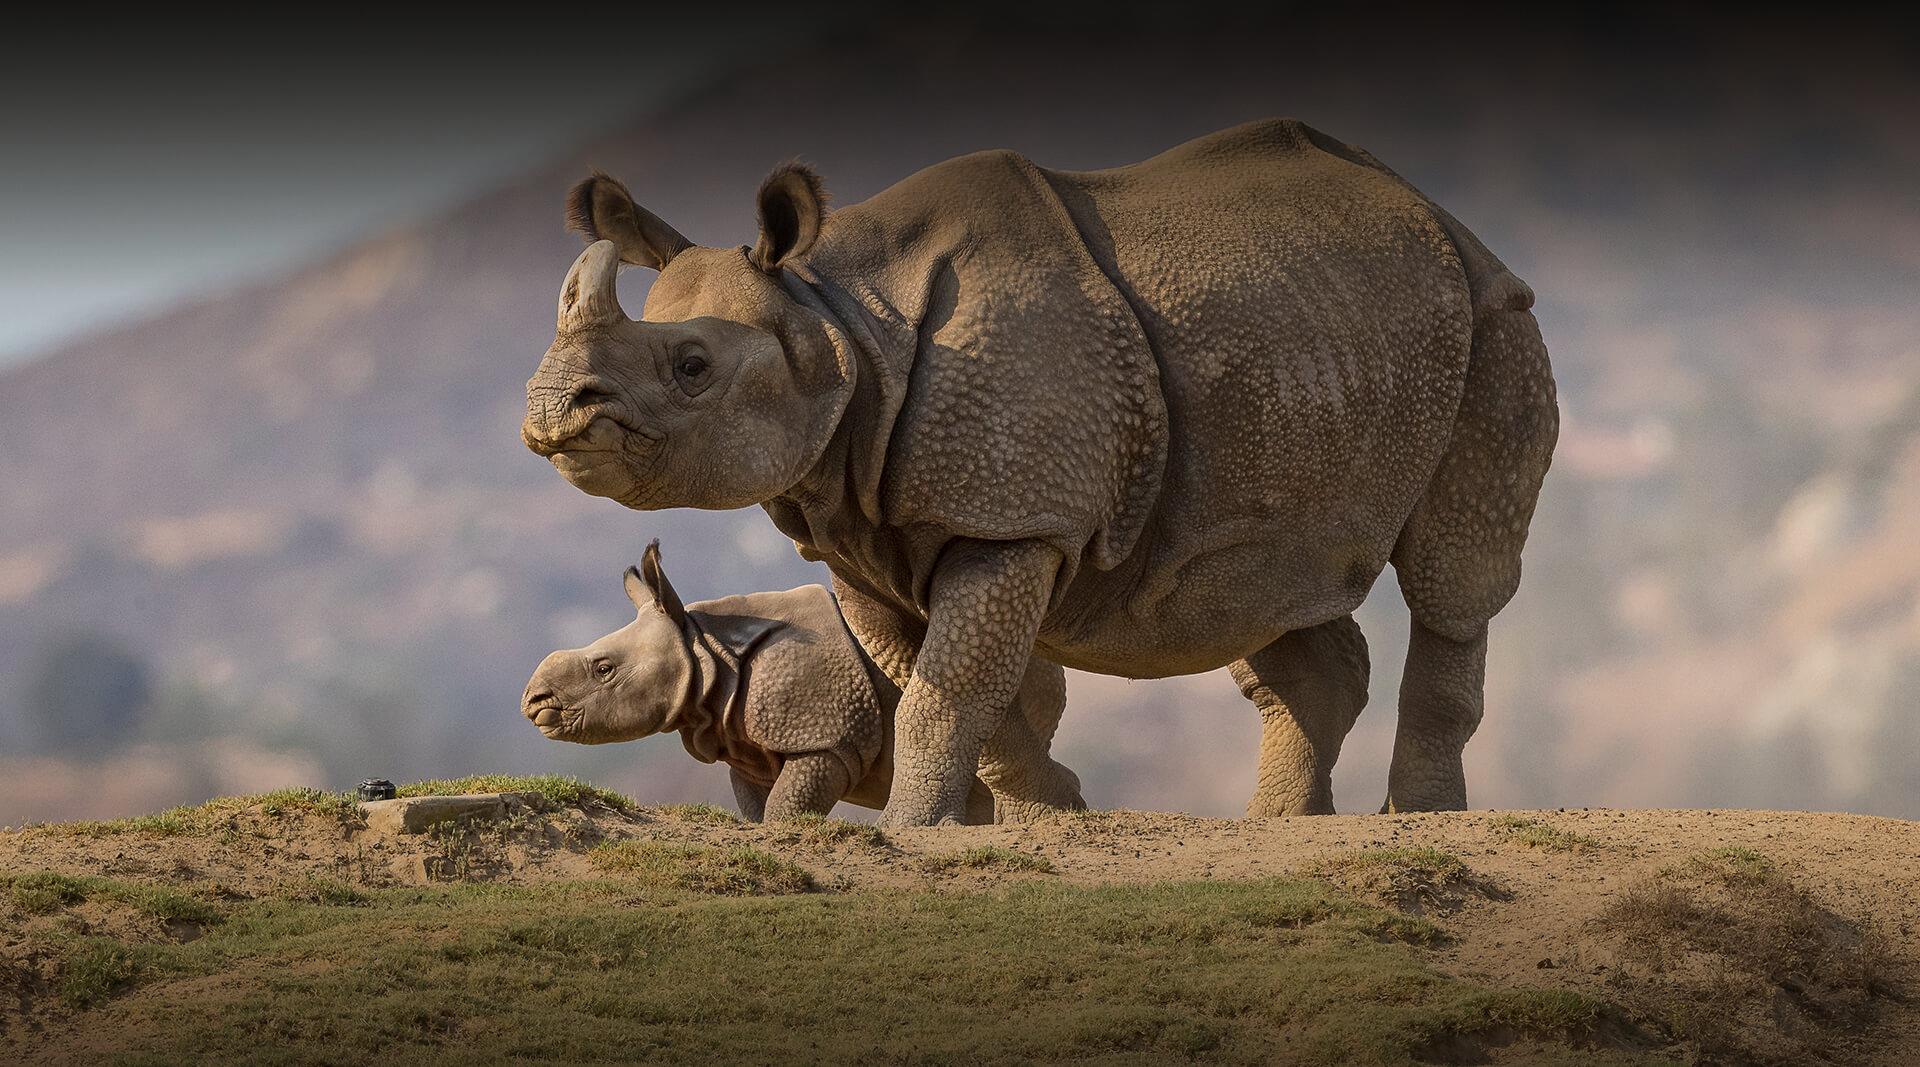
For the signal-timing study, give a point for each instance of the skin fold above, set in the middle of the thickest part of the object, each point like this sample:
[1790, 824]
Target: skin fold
[1146, 421]
[775, 686]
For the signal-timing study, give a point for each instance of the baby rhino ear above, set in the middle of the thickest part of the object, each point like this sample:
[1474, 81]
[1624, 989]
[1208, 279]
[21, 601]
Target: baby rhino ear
[648, 588]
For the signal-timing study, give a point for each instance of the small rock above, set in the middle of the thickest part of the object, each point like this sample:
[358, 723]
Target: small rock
[414, 815]
[1545, 965]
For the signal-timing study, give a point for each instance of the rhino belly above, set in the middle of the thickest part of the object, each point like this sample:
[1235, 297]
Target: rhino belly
[1312, 325]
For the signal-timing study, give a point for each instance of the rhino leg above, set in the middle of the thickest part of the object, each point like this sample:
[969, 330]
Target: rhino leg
[809, 784]
[1458, 557]
[1014, 763]
[1310, 686]
[749, 796]
[985, 602]
[1441, 701]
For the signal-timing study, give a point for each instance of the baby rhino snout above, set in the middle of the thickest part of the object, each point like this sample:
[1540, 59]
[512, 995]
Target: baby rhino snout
[541, 701]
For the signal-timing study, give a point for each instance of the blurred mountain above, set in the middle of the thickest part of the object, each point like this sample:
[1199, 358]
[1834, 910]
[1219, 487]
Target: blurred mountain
[304, 507]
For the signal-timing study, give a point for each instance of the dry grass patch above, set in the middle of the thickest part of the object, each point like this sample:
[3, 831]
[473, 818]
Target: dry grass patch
[987, 857]
[703, 814]
[696, 869]
[1534, 833]
[1746, 964]
[1414, 880]
[217, 814]
[822, 832]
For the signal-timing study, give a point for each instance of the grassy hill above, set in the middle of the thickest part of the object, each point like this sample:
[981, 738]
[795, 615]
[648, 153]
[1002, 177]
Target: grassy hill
[578, 926]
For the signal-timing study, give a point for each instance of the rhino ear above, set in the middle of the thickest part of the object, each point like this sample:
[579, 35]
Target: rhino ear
[648, 588]
[601, 209]
[793, 203]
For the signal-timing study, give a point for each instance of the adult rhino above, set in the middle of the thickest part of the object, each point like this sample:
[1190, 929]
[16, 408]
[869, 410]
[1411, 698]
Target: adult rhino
[1144, 421]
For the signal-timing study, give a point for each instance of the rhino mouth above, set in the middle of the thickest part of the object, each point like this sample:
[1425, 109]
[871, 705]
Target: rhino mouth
[555, 721]
[626, 475]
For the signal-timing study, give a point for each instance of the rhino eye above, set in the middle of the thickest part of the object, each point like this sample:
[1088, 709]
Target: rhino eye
[603, 670]
[690, 370]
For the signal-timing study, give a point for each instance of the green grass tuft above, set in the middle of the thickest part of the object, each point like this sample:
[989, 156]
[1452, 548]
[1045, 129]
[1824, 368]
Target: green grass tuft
[95, 973]
[43, 892]
[1736, 865]
[560, 789]
[704, 814]
[696, 869]
[988, 857]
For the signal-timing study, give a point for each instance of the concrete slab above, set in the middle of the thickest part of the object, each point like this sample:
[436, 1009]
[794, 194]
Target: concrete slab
[416, 815]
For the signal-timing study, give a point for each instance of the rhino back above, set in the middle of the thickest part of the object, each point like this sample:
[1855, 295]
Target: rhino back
[1312, 323]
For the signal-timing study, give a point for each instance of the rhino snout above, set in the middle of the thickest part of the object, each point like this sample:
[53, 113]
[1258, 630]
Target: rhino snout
[548, 714]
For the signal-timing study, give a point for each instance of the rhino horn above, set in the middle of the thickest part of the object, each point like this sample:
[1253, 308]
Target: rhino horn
[588, 298]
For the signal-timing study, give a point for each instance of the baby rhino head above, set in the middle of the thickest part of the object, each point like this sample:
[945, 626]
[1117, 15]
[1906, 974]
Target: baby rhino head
[628, 684]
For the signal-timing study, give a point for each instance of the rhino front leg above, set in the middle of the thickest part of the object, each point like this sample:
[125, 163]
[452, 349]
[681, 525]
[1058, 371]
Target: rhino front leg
[1310, 686]
[750, 796]
[1015, 762]
[809, 784]
[984, 608]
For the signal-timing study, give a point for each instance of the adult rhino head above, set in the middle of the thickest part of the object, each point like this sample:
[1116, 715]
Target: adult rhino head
[725, 391]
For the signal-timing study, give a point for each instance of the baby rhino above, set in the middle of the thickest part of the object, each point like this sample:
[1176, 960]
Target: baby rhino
[771, 684]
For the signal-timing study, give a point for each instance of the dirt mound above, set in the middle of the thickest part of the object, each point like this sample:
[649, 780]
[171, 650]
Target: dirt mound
[1580, 936]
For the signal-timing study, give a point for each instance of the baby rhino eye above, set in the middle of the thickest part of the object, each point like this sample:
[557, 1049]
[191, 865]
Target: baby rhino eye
[692, 366]
[603, 670]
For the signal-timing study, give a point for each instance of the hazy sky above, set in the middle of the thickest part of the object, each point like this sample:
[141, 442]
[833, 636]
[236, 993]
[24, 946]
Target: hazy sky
[140, 169]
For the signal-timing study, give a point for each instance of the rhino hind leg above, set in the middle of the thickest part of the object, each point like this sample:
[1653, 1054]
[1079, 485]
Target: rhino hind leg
[1310, 686]
[1458, 557]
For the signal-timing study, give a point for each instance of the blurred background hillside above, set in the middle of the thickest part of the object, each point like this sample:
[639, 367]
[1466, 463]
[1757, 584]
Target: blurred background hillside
[267, 520]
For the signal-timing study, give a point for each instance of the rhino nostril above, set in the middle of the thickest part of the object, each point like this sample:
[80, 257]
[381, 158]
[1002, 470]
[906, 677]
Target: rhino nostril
[589, 394]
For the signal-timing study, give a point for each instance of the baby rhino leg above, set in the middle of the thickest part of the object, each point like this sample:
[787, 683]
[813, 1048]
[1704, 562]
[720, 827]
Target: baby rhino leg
[809, 784]
[1310, 686]
[749, 795]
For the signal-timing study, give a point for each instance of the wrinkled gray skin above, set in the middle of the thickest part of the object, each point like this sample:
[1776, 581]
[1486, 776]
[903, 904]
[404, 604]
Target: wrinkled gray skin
[1144, 421]
[771, 684]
